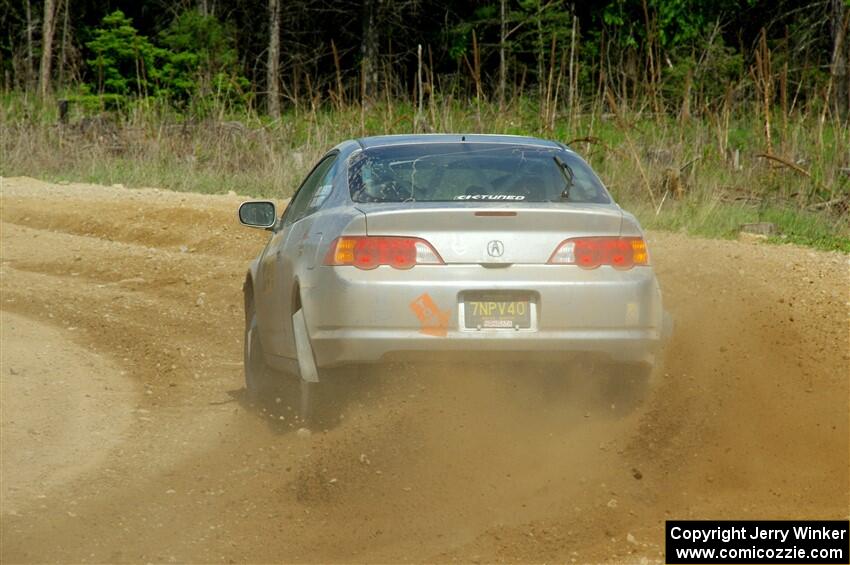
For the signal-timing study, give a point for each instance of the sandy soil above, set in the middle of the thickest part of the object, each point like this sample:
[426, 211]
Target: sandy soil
[63, 409]
[126, 434]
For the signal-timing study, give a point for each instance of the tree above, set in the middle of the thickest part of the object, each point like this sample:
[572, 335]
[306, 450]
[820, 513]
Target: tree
[124, 59]
[839, 21]
[198, 58]
[503, 38]
[29, 46]
[273, 65]
[63, 58]
[47, 29]
[369, 50]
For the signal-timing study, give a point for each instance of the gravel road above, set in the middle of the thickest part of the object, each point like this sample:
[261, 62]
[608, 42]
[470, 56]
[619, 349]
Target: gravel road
[127, 436]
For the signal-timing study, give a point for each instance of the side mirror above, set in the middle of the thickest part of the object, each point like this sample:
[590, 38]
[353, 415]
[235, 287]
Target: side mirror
[258, 214]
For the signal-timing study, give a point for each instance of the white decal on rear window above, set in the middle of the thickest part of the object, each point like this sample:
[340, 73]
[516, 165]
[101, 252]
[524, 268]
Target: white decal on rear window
[490, 197]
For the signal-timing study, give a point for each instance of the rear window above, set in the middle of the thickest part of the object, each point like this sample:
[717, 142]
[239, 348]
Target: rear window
[477, 172]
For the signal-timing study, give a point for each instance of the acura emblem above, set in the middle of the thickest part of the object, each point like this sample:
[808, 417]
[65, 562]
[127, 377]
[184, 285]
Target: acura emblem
[495, 248]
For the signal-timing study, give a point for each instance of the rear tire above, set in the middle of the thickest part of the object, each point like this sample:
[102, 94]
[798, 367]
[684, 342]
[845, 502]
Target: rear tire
[257, 379]
[311, 394]
[309, 405]
[321, 403]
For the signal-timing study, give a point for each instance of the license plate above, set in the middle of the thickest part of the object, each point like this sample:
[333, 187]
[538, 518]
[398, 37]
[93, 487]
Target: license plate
[497, 312]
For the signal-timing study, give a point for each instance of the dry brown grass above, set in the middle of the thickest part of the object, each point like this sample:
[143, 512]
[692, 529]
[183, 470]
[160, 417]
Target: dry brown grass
[704, 174]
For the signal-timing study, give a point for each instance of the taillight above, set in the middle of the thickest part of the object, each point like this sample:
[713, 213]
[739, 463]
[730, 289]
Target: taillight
[591, 252]
[368, 252]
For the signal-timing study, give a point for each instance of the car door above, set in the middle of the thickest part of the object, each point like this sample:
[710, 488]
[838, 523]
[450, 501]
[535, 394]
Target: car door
[284, 256]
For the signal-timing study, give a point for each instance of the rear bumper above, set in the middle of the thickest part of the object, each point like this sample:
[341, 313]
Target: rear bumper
[356, 316]
[356, 346]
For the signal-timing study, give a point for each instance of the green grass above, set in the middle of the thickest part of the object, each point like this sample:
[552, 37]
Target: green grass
[724, 220]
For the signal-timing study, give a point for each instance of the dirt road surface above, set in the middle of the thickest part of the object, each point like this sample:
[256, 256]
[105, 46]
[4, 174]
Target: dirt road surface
[127, 436]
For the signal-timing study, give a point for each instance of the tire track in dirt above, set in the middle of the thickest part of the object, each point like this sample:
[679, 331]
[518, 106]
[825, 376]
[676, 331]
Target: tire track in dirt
[439, 463]
[89, 399]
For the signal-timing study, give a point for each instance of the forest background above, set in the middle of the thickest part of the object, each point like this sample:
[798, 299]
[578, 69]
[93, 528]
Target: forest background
[699, 116]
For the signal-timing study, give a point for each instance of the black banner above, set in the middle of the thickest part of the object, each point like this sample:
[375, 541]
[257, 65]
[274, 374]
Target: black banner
[754, 541]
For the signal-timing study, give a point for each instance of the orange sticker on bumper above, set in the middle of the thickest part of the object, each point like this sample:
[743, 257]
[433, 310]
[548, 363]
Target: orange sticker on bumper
[434, 321]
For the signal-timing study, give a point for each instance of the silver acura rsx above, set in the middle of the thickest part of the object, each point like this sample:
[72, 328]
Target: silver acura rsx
[439, 247]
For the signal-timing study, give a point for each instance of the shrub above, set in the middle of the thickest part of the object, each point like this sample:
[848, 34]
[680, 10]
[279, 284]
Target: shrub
[200, 61]
[124, 61]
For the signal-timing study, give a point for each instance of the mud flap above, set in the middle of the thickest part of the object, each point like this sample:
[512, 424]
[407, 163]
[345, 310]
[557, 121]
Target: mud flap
[306, 361]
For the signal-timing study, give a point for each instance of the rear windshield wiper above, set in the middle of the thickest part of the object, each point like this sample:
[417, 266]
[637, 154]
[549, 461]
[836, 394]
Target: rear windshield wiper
[569, 176]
